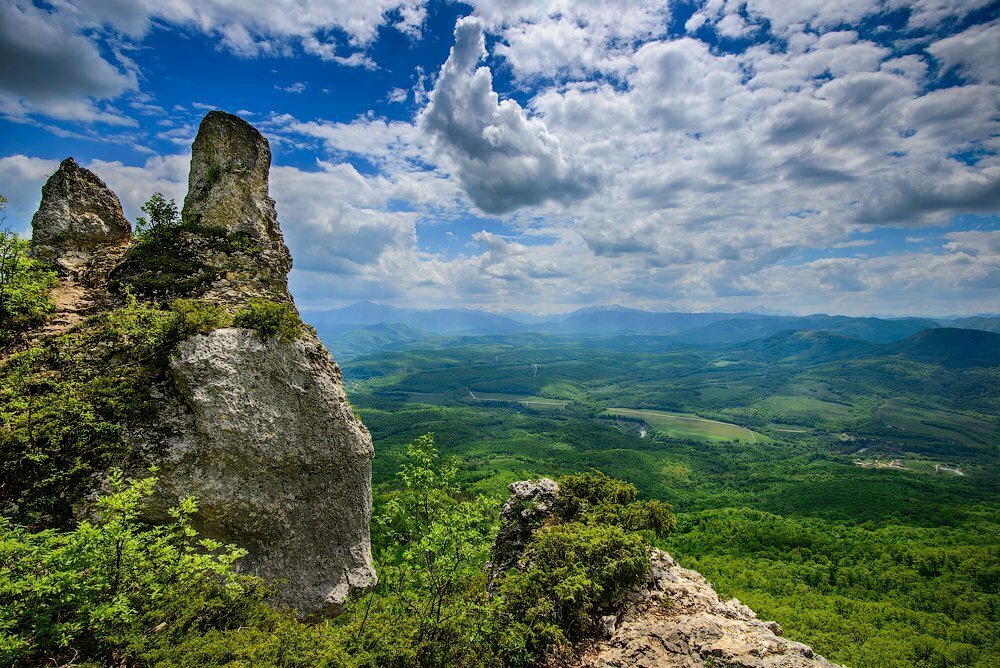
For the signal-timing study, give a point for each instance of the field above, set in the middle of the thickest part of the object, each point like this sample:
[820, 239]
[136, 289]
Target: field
[687, 426]
[527, 400]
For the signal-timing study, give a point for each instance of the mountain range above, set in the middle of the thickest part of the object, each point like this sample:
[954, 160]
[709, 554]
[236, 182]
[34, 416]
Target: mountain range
[369, 325]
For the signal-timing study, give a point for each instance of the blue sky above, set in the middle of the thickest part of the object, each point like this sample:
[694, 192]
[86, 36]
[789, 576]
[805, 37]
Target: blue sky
[541, 156]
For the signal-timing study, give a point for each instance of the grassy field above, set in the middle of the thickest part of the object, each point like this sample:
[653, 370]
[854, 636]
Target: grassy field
[527, 400]
[685, 426]
[808, 407]
[930, 423]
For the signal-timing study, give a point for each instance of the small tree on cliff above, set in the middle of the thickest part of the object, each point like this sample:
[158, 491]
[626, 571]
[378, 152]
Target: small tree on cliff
[161, 211]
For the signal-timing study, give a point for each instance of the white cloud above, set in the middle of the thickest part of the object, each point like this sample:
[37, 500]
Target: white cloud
[974, 53]
[297, 87]
[504, 159]
[53, 62]
[46, 68]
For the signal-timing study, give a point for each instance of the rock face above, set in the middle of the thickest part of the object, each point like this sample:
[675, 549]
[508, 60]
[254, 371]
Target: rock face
[262, 435]
[530, 504]
[676, 620]
[79, 223]
[258, 430]
[228, 191]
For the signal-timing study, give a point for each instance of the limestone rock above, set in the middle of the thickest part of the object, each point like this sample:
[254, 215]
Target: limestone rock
[79, 223]
[678, 620]
[530, 504]
[260, 432]
[228, 193]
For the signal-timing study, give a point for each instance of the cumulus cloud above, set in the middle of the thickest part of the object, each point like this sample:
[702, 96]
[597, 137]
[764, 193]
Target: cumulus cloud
[45, 67]
[504, 159]
[54, 60]
[974, 53]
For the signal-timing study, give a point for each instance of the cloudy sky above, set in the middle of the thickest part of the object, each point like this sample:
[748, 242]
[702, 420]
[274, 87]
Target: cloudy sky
[834, 156]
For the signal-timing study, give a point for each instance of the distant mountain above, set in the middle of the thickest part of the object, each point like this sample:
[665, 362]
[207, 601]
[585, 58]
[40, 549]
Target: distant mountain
[951, 347]
[619, 320]
[804, 347]
[613, 321]
[346, 341]
[748, 328]
[437, 321]
[985, 323]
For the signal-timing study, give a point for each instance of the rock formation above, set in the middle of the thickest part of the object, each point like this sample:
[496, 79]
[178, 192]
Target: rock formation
[78, 217]
[258, 430]
[676, 620]
[530, 504]
[228, 191]
[81, 228]
[261, 434]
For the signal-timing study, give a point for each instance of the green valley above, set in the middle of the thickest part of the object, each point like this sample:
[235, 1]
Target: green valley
[766, 449]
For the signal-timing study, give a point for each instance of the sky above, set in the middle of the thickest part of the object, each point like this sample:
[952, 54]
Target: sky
[835, 156]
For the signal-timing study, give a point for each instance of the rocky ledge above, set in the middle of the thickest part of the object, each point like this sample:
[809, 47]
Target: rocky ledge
[675, 620]
[679, 621]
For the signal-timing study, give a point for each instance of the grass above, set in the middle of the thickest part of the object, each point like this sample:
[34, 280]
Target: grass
[808, 407]
[527, 400]
[931, 423]
[685, 426]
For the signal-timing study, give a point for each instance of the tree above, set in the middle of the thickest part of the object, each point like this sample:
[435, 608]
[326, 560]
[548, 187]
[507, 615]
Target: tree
[25, 284]
[161, 211]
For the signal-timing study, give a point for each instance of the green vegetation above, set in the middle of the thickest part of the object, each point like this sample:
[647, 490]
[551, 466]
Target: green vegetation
[25, 284]
[868, 596]
[872, 567]
[270, 319]
[66, 403]
[162, 213]
[116, 591]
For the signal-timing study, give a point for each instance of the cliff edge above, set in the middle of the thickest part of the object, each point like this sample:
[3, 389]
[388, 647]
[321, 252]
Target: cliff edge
[256, 426]
[675, 619]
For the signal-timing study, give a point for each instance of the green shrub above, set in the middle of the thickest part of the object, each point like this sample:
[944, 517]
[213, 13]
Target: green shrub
[162, 213]
[25, 285]
[112, 590]
[270, 319]
[569, 574]
[199, 317]
[595, 487]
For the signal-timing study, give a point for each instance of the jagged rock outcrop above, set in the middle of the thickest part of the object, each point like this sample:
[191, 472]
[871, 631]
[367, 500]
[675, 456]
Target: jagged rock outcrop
[531, 503]
[675, 620]
[78, 217]
[678, 621]
[258, 429]
[228, 191]
[80, 227]
[261, 434]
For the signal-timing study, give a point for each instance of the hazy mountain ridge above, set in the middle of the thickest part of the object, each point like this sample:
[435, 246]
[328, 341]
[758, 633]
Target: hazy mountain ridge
[373, 323]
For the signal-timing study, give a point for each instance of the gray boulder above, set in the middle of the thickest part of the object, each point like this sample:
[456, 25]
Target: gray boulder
[260, 432]
[79, 221]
